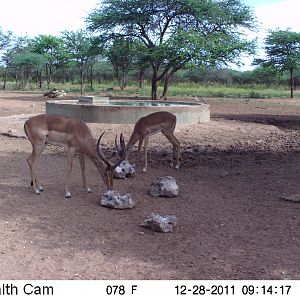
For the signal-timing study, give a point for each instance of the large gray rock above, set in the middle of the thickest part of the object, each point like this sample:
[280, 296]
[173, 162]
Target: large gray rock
[113, 199]
[124, 170]
[160, 223]
[164, 187]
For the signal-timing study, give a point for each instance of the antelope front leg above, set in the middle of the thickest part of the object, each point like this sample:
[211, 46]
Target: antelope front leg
[138, 152]
[175, 157]
[70, 156]
[82, 167]
[146, 156]
[176, 147]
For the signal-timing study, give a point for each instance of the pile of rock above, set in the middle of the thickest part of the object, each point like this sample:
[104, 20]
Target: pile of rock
[55, 93]
[161, 187]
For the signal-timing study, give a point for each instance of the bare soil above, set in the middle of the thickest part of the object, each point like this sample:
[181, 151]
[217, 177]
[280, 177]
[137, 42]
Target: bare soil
[232, 222]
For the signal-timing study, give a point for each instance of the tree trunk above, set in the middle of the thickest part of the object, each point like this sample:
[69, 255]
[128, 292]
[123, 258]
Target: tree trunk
[63, 75]
[124, 79]
[48, 76]
[292, 83]
[154, 86]
[81, 82]
[154, 83]
[166, 87]
[16, 79]
[168, 77]
[4, 79]
[141, 78]
[91, 77]
[81, 77]
[40, 80]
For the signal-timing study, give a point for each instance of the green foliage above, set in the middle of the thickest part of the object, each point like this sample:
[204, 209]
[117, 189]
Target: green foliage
[52, 49]
[177, 32]
[282, 53]
[144, 43]
[283, 49]
[5, 39]
[121, 55]
[81, 49]
[46, 44]
[26, 64]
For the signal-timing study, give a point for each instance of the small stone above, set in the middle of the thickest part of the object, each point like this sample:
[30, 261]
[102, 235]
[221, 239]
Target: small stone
[113, 199]
[124, 170]
[164, 187]
[159, 223]
[292, 198]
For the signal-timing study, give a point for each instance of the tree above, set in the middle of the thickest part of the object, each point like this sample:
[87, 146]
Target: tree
[81, 49]
[52, 49]
[177, 32]
[282, 53]
[5, 39]
[121, 55]
[15, 45]
[28, 64]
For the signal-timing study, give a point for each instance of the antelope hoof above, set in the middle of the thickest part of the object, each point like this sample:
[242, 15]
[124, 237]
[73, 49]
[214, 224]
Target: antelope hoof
[89, 190]
[177, 167]
[171, 164]
[41, 189]
[68, 195]
[144, 170]
[37, 192]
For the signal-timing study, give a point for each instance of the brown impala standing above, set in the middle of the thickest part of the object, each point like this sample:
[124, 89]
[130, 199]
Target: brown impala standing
[163, 122]
[76, 135]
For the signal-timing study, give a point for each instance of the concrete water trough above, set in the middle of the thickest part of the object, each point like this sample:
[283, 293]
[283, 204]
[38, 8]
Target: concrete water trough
[93, 109]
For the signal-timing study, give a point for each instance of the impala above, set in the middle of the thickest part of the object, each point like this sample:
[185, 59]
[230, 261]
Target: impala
[163, 122]
[76, 135]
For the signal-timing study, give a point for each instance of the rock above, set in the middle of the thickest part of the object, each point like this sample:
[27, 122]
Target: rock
[11, 132]
[113, 199]
[55, 93]
[124, 170]
[164, 187]
[293, 198]
[160, 223]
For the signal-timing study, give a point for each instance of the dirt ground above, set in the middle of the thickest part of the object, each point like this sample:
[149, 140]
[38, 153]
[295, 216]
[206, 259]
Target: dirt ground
[232, 222]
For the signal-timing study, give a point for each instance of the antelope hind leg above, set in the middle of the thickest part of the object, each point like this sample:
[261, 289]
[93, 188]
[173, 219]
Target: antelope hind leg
[36, 152]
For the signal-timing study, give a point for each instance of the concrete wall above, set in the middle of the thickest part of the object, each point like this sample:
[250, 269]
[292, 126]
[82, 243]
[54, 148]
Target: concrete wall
[195, 113]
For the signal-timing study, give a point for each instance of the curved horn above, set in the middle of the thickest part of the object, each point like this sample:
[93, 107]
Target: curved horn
[100, 153]
[116, 144]
[121, 150]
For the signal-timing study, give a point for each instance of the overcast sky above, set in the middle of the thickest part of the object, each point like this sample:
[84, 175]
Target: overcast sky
[34, 17]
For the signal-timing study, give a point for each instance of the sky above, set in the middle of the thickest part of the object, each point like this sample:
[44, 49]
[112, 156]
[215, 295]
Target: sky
[272, 15]
[34, 17]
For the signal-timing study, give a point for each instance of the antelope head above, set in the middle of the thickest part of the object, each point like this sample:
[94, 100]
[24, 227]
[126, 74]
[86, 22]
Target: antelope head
[109, 165]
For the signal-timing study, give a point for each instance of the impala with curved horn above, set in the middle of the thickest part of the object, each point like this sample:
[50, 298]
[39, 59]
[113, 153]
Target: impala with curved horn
[76, 135]
[162, 121]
